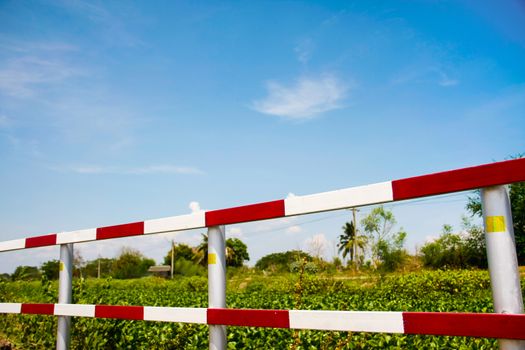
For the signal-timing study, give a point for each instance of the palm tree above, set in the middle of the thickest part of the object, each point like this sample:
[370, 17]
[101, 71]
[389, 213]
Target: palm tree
[202, 250]
[350, 242]
[346, 241]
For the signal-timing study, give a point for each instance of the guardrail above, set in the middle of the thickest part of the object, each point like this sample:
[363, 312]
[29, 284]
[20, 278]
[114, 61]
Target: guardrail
[507, 323]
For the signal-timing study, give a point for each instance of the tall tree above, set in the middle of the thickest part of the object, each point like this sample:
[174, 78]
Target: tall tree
[384, 243]
[50, 269]
[202, 250]
[180, 251]
[131, 264]
[350, 241]
[25, 273]
[236, 252]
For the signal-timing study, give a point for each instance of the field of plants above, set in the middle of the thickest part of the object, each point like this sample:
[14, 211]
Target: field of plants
[423, 291]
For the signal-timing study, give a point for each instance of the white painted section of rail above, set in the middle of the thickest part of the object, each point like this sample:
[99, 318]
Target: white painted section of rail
[175, 314]
[502, 258]
[354, 321]
[77, 236]
[80, 310]
[13, 245]
[175, 223]
[10, 308]
[217, 282]
[340, 199]
[65, 280]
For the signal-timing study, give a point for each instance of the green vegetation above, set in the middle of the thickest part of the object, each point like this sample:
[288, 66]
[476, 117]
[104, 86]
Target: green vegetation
[452, 250]
[459, 290]
[282, 262]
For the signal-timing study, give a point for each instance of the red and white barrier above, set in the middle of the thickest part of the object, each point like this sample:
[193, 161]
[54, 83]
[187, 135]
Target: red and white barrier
[421, 186]
[429, 323]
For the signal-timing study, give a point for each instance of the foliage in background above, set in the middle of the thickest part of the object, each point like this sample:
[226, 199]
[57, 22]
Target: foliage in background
[236, 252]
[131, 264]
[50, 269]
[180, 251]
[456, 250]
[386, 246]
[281, 262]
[25, 273]
[106, 267]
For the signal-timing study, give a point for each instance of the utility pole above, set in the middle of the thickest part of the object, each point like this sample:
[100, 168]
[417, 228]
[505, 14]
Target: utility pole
[172, 257]
[98, 269]
[354, 247]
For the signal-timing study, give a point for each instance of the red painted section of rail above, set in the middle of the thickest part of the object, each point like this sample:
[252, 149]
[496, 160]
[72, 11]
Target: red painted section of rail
[41, 241]
[465, 324]
[124, 230]
[252, 212]
[121, 312]
[249, 318]
[38, 309]
[499, 173]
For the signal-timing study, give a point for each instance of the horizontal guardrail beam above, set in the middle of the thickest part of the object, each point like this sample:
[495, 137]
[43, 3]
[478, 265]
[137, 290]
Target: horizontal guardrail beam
[484, 325]
[493, 174]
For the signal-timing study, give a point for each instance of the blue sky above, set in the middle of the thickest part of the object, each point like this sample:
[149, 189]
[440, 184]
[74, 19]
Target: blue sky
[113, 112]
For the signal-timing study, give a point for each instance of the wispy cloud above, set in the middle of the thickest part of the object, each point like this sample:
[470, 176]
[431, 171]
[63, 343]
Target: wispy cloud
[307, 98]
[431, 75]
[33, 66]
[146, 170]
[68, 92]
[304, 50]
[107, 20]
[294, 229]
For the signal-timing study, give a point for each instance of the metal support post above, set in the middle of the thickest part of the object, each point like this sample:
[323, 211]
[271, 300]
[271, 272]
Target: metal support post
[502, 258]
[217, 282]
[64, 294]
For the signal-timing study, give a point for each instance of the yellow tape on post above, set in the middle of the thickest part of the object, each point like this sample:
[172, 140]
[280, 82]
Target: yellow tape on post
[212, 259]
[61, 266]
[496, 224]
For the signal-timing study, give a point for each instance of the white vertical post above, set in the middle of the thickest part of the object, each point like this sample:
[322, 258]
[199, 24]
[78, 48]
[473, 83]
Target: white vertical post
[65, 294]
[502, 258]
[217, 282]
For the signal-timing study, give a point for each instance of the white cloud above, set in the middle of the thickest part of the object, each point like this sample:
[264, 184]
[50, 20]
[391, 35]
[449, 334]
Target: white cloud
[146, 170]
[195, 207]
[234, 232]
[307, 98]
[317, 245]
[294, 229]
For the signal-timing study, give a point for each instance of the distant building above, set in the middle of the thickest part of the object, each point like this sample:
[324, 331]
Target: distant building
[161, 270]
